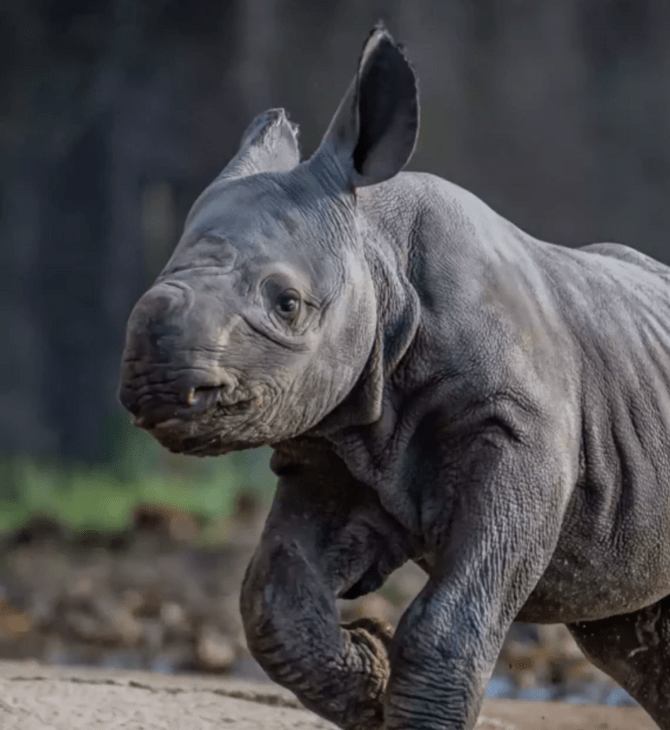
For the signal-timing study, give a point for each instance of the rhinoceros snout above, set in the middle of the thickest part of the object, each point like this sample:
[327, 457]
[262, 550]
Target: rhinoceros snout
[162, 377]
[157, 323]
[153, 402]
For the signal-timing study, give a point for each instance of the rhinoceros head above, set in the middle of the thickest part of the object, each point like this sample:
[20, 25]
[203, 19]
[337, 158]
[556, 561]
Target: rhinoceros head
[264, 317]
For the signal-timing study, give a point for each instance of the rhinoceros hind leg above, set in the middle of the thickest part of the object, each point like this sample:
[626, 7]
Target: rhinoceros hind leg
[634, 649]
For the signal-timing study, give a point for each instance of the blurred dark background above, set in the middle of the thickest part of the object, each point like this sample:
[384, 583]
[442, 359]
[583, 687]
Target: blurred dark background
[114, 114]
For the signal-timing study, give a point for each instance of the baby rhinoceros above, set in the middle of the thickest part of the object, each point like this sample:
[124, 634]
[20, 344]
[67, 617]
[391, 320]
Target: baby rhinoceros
[437, 386]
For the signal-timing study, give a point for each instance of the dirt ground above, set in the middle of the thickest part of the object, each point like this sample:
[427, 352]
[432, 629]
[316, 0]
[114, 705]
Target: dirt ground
[35, 697]
[156, 598]
[94, 612]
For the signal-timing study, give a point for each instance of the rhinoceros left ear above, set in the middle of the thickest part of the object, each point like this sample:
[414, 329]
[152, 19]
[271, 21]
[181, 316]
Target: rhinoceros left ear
[374, 131]
[269, 144]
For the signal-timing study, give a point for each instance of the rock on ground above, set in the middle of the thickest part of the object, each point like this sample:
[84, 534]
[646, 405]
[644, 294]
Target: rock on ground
[35, 697]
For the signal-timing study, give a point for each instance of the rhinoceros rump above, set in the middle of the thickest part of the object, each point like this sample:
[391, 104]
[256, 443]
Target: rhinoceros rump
[438, 386]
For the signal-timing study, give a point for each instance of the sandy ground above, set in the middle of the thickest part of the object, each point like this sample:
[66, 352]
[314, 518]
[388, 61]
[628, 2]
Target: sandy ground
[35, 697]
[143, 600]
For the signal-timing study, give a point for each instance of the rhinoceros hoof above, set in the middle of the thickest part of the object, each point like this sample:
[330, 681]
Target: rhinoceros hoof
[371, 640]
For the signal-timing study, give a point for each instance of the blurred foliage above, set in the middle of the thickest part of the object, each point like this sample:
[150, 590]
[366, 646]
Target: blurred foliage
[85, 497]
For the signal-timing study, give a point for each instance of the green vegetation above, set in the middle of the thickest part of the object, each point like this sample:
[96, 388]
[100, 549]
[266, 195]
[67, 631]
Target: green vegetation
[103, 498]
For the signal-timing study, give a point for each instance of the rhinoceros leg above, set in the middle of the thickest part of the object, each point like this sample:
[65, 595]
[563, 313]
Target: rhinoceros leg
[325, 536]
[634, 649]
[505, 517]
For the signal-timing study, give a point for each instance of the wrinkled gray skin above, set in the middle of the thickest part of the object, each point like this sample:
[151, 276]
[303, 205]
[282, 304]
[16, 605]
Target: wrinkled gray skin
[438, 386]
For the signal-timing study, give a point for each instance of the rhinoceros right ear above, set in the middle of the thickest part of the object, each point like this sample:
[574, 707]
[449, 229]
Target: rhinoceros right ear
[374, 131]
[269, 144]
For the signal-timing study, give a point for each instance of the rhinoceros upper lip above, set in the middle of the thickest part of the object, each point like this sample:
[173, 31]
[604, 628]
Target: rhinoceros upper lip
[198, 401]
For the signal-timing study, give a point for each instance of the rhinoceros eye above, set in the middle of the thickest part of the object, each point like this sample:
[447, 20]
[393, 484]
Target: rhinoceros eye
[288, 304]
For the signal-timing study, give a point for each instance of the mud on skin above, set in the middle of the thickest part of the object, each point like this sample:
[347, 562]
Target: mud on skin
[438, 386]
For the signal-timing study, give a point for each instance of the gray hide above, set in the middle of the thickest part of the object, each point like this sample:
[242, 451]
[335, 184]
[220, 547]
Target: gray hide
[438, 386]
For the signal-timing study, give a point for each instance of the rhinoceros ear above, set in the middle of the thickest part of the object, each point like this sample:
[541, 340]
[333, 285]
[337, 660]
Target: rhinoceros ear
[374, 130]
[269, 144]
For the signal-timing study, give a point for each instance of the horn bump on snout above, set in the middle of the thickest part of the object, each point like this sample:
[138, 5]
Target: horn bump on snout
[157, 311]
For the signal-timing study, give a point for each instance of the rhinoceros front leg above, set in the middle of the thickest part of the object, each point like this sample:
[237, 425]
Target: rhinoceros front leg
[506, 518]
[326, 536]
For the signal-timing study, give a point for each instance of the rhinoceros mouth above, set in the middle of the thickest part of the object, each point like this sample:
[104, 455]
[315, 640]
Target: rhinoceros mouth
[210, 432]
[200, 405]
[211, 446]
[210, 442]
[187, 419]
[203, 420]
